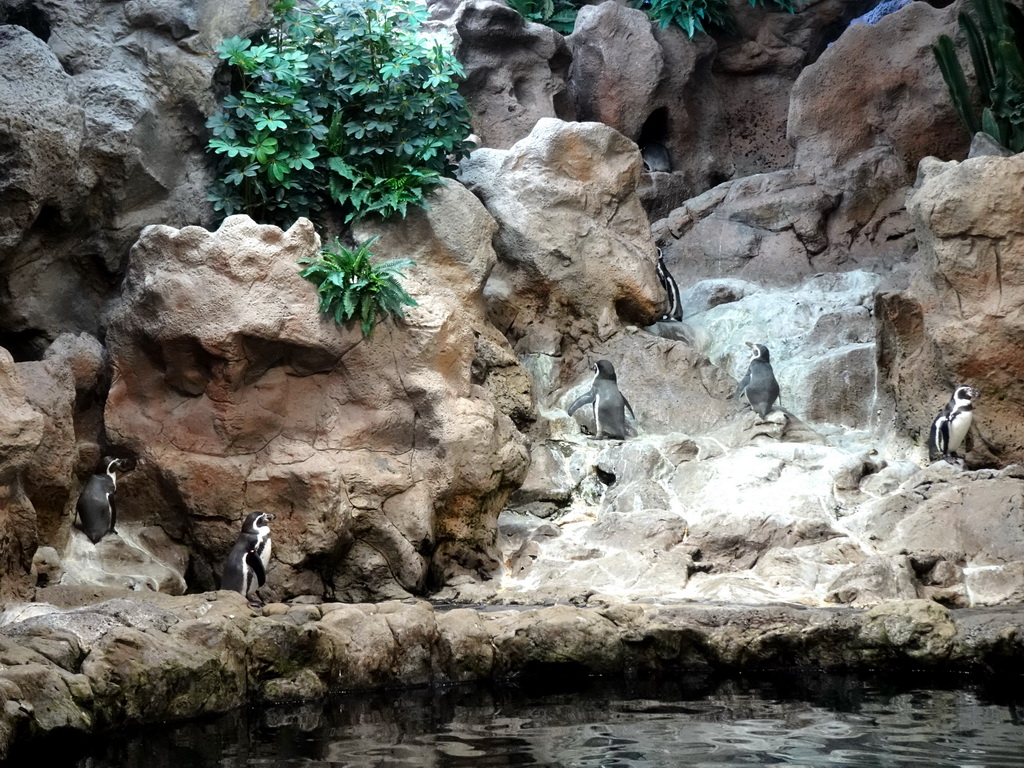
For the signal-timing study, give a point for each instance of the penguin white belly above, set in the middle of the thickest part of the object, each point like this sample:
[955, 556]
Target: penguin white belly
[597, 415]
[265, 554]
[958, 428]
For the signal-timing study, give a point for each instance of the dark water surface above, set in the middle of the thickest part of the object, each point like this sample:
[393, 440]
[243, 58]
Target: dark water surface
[797, 719]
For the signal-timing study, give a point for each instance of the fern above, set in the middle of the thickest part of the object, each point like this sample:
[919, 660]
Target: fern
[354, 289]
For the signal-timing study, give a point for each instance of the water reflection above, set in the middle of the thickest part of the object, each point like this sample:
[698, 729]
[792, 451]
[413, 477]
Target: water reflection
[806, 720]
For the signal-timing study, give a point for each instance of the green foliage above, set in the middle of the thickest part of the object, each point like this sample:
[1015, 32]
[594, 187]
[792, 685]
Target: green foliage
[352, 288]
[693, 16]
[349, 103]
[995, 40]
[560, 15]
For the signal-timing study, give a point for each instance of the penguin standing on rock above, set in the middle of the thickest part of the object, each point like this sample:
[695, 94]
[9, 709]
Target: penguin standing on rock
[609, 403]
[759, 385]
[951, 425]
[674, 310]
[245, 570]
[95, 506]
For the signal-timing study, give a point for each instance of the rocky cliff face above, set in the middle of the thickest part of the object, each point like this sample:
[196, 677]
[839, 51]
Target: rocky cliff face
[797, 208]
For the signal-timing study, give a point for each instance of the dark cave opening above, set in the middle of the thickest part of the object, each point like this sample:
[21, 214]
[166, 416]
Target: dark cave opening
[29, 16]
[653, 142]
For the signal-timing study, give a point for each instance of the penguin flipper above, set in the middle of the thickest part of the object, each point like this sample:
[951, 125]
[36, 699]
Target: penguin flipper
[581, 401]
[625, 402]
[742, 386]
[253, 560]
[113, 513]
[938, 438]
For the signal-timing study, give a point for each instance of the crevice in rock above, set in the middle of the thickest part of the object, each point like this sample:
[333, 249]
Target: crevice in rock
[653, 142]
[25, 345]
[29, 16]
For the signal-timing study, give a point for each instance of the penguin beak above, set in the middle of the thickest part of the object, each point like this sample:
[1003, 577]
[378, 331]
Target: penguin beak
[270, 516]
[749, 344]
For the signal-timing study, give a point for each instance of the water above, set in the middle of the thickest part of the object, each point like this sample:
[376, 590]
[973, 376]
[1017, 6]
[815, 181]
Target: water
[807, 720]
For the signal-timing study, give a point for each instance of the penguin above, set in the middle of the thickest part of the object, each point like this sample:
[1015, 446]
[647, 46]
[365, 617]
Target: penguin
[95, 506]
[674, 310]
[245, 569]
[759, 385]
[656, 157]
[951, 425]
[609, 402]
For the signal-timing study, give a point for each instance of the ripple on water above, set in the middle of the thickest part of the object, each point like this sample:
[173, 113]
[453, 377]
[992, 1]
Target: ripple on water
[814, 723]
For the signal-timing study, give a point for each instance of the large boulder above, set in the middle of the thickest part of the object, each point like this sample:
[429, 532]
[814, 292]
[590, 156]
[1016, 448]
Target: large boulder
[958, 322]
[381, 458]
[515, 70]
[862, 117]
[653, 85]
[574, 245]
[878, 85]
[754, 71]
[102, 133]
[770, 228]
[21, 432]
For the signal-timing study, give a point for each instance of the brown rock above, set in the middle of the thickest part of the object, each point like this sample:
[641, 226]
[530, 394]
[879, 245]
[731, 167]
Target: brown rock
[653, 85]
[878, 85]
[957, 323]
[573, 240]
[21, 431]
[515, 70]
[380, 458]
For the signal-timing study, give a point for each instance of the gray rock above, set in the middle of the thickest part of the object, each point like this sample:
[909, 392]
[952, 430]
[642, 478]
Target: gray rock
[877, 579]
[515, 70]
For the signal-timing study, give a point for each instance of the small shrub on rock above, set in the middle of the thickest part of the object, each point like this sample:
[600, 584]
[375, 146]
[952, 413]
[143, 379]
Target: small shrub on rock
[354, 289]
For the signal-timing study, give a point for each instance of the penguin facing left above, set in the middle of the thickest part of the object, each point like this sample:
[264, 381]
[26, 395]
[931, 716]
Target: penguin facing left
[950, 427]
[95, 507]
[759, 385]
[609, 403]
[245, 569]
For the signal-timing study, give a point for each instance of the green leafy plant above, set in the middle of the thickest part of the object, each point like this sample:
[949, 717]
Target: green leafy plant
[995, 40]
[352, 288]
[694, 16]
[560, 15]
[349, 103]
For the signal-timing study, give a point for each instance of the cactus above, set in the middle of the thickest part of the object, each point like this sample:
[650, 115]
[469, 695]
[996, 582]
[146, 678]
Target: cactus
[995, 40]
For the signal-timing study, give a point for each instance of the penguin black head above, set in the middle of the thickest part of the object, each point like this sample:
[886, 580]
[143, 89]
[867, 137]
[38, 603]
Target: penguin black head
[604, 370]
[112, 464]
[759, 352]
[255, 521]
[965, 394]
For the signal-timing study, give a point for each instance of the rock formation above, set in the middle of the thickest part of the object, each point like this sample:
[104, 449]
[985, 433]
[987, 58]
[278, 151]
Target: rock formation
[383, 459]
[515, 71]
[437, 459]
[102, 133]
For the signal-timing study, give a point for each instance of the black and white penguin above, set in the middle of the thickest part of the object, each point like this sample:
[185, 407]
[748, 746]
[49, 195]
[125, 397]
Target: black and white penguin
[95, 507]
[951, 425]
[245, 569]
[759, 385]
[674, 309]
[609, 403]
